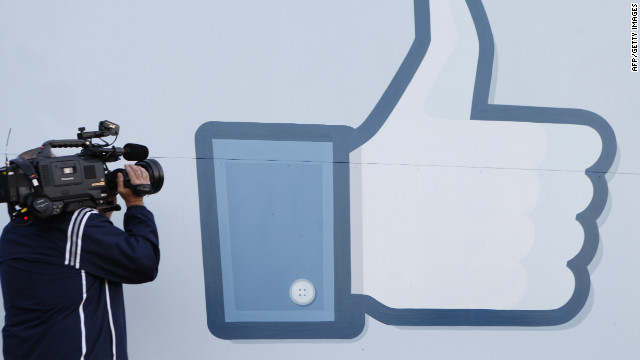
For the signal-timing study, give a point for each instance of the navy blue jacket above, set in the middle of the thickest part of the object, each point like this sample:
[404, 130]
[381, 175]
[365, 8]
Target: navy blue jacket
[62, 283]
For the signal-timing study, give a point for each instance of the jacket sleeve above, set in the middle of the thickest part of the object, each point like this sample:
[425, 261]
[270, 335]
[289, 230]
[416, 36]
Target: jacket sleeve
[131, 256]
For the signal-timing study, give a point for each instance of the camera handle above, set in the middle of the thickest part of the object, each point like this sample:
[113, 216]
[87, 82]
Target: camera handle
[71, 143]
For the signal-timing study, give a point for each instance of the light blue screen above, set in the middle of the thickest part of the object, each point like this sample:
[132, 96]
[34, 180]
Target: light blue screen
[275, 213]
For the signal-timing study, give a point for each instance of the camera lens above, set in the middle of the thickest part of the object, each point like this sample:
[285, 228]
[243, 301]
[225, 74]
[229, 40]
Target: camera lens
[156, 175]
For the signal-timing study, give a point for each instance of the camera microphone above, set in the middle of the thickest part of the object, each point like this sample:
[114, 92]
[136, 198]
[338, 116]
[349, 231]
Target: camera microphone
[135, 152]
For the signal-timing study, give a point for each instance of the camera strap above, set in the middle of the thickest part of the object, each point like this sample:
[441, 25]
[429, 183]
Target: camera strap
[28, 169]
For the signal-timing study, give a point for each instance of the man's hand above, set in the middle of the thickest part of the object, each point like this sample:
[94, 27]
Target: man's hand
[137, 175]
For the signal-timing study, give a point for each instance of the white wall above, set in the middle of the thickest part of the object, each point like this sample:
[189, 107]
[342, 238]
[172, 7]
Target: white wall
[160, 69]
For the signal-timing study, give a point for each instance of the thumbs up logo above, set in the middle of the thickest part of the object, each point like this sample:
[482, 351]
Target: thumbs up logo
[441, 208]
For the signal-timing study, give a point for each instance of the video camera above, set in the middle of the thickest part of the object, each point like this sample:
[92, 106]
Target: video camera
[43, 185]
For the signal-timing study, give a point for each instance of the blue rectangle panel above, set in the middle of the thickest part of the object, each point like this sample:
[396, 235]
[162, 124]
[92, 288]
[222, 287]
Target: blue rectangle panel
[275, 215]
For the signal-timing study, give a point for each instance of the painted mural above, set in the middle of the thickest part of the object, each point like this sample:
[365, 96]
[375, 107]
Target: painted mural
[490, 220]
[369, 179]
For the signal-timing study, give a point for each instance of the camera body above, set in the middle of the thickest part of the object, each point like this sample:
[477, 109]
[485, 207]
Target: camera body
[44, 186]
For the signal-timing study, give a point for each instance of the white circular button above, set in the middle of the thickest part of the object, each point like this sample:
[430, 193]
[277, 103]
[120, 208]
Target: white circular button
[302, 292]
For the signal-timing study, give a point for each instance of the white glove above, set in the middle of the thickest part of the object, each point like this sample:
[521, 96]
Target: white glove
[452, 213]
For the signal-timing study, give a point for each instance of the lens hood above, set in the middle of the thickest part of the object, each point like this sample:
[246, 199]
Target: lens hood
[156, 174]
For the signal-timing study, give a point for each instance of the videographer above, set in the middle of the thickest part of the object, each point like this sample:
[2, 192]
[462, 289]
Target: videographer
[62, 279]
